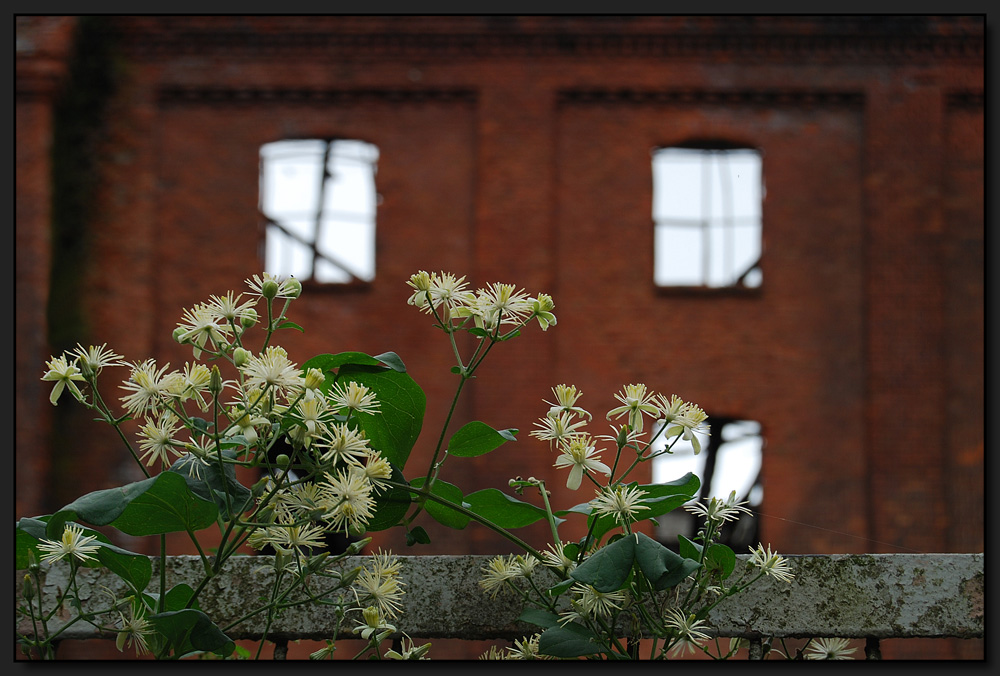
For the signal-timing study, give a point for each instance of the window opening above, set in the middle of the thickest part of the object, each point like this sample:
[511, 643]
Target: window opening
[730, 460]
[318, 200]
[707, 215]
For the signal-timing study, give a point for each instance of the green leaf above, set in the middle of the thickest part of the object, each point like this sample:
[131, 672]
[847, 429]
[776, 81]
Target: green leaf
[442, 513]
[417, 535]
[561, 587]
[721, 558]
[689, 549]
[191, 631]
[291, 325]
[503, 510]
[478, 438]
[160, 504]
[390, 505]
[135, 569]
[539, 617]
[609, 567]
[572, 640]
[212, 485]
[661, 566]
[392, 360]
[167, 506]
[331, 362]
[394, 429]
[177, 597]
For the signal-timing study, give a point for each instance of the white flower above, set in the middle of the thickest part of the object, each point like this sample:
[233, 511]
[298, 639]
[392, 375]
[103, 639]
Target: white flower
[579, 454]
[133, 632]
[201, 325]
[684, 418]
[689, 631]
[635, 401]
[158, 440]
[350, 498]
[770, 564]
[829, 649]
[74, 544]
[720, 510]
[96, 358]
[541, 309]
[354, 397]
[593, 603]
[555, 557]
[557, 428]
[344, 444]
[380, 585]
[497, 572]
[272, 369]
[374, 623]
[63, 374]
[622, 502]
[147, 386]
[228, 308]
[286, 288]
[566, 396]
[410, 651]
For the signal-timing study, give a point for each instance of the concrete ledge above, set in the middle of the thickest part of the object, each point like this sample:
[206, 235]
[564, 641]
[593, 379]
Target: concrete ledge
[849, 596]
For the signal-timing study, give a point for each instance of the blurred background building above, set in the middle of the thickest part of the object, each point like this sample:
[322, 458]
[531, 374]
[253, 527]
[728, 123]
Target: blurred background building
[778, 218]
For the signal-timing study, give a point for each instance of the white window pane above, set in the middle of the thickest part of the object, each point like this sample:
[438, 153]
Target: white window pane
[677, 175]
[352, 244]
[707, 211]
[290, 184]
[285, 255]
[736, 468]
[677, 255]
[745, 174]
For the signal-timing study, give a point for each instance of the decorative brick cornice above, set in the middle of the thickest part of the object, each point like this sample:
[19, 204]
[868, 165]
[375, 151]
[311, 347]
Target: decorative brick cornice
[170, 94]
[841, 39]
[966, 99]
[770, 98]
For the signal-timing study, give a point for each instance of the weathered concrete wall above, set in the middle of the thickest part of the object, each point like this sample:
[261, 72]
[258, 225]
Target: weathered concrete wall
[850, 596]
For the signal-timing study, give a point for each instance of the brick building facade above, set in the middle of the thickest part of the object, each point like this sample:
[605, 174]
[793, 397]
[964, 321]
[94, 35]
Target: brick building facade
[517, 149]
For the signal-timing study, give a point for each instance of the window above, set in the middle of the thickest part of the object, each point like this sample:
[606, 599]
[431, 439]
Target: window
[730, 460]
[707, 217]
[318, 199]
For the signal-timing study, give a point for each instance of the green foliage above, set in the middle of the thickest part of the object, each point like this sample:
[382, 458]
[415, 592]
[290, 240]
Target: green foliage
[160, 504]
[569, 641]
[477, 438]
[190, 631]
[503, 510]
[394, 430]
[331, 453]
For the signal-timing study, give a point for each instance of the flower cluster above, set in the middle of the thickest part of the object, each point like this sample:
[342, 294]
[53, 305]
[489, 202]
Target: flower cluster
[490, 307]
[563, 427]
[268, 405]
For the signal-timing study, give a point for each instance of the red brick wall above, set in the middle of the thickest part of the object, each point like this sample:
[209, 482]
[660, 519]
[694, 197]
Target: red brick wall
[511, 153]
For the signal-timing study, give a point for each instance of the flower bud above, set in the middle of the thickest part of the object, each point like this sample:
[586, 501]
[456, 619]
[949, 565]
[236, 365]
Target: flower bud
[314, 379]
[355, 547]
[248, 318]
[269, 289]
[241, 356]
[293, 287]
[283, 461]
[179, 335]
[258, 488]
[33, 565]
[27, 589]
[215, 381]
[85, 368]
